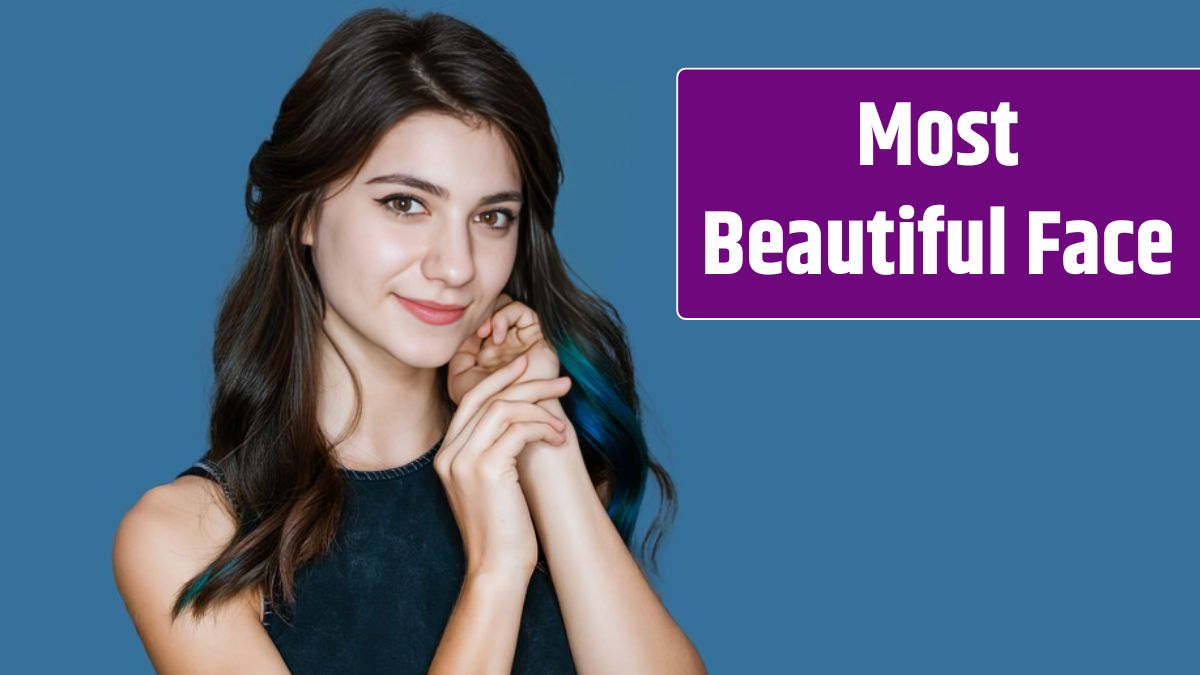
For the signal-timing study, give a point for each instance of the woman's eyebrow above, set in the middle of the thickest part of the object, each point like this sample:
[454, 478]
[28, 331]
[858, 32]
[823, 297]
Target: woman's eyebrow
[441, 192]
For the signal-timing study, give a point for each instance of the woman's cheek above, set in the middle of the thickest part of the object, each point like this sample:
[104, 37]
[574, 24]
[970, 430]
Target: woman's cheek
[497, 264]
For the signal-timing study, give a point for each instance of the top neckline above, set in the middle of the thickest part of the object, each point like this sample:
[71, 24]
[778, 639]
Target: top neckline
[395, 471]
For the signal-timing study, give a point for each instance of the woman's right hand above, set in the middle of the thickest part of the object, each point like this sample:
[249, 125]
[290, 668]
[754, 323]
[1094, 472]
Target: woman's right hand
[477, 464]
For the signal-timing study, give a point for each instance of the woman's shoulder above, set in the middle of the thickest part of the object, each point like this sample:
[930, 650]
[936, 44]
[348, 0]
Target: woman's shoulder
[190, 507]
[170, 535]
[191, 513]
[173, 530]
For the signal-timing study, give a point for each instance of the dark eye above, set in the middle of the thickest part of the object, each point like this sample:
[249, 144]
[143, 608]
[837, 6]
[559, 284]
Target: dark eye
[498, 219]
[401, 204]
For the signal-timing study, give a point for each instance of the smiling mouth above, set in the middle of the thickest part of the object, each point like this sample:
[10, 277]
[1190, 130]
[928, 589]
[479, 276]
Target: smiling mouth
[434, 314]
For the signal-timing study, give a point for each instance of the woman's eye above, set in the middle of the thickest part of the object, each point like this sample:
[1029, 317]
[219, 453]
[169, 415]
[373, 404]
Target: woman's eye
[408, 205]
[401, 204]
[499, 219]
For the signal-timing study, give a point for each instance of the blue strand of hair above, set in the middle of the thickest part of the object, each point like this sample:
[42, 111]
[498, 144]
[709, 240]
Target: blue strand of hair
[607, 425]
[201, 582]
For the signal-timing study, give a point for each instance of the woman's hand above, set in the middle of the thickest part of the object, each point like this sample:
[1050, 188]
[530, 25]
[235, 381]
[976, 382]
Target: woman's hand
[512, 330]
[477, 464]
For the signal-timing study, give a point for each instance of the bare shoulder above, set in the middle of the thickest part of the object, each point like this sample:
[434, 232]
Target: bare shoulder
[190, 508]
[170, 535]
[176, 527]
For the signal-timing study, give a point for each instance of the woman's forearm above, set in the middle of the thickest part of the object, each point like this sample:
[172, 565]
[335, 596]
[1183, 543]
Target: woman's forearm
[615, 621]
[481, 635]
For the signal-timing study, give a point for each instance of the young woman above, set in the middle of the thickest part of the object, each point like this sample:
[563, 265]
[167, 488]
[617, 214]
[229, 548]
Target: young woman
[400, 478]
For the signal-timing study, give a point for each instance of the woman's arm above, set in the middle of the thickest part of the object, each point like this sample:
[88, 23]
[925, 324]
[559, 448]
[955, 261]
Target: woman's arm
[615, 621]
[481, 636]
[168, 537]
[477, 465]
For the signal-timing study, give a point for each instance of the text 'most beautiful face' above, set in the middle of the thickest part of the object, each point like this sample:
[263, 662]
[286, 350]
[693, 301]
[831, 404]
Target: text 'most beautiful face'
[430, 219]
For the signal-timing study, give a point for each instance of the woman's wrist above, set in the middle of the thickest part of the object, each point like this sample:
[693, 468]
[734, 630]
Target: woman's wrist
[499, 592]
[481, 635]
[502, 580]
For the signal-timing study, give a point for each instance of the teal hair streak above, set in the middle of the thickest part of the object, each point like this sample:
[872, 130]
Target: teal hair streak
[199, 584]
[607, 424]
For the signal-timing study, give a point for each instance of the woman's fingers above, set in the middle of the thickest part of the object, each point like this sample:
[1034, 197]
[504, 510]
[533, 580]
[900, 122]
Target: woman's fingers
[481, 392]
[531, 391]
[500, 416]
[463, 360]
[500, 328]
[488, 327]
[514, 439]
[466, 356]
[518, 341]
[509, 314]
[502, 384]
[537, 390]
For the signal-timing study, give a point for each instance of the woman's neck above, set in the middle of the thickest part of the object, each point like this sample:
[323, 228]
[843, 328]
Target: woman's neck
[402, 415]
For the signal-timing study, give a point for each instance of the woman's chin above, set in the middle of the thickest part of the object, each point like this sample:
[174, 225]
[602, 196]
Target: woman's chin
[427, 356]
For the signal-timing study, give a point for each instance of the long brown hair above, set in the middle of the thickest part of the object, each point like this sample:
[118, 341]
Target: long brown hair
[377, 67]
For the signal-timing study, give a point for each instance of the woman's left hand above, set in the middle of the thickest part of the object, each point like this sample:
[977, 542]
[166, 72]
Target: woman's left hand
[513, 329]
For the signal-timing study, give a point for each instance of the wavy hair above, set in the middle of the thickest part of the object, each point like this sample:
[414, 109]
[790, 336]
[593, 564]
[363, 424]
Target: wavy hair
[375, 68]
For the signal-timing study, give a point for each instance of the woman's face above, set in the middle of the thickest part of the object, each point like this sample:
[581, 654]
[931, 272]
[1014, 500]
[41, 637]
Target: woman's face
[430, 217]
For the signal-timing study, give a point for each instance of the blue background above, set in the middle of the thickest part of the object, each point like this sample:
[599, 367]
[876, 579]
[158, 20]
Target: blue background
[856, 497]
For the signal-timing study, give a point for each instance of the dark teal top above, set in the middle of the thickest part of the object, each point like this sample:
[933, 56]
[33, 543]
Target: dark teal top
[380, 599]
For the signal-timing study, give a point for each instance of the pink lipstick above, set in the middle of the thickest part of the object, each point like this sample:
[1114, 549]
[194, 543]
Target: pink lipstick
[432, 312]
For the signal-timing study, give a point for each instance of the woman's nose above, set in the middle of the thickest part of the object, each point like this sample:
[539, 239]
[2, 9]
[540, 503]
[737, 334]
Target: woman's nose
[449, 256]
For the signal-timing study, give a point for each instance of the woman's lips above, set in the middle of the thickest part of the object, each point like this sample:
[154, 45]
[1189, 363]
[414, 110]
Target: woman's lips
[431, 314]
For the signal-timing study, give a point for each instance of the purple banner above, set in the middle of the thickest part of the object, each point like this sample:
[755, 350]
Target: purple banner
[1046, 193]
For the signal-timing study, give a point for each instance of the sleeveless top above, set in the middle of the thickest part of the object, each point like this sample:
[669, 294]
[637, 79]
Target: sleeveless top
[380, 599]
